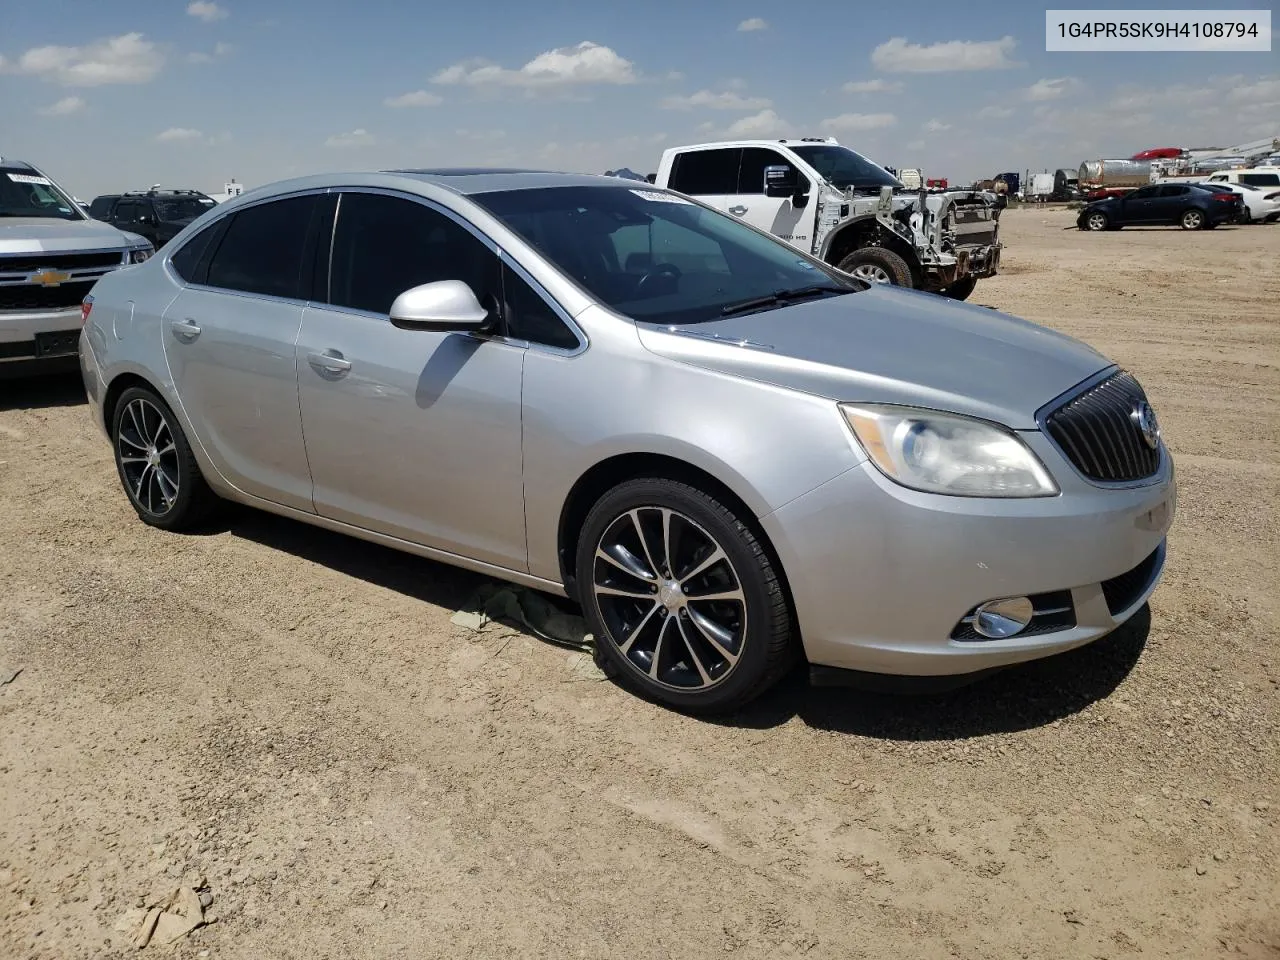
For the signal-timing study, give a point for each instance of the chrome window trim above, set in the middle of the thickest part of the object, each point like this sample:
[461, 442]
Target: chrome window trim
[173, 275]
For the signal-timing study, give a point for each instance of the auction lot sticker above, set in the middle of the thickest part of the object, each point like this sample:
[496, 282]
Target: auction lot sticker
[1133, 31]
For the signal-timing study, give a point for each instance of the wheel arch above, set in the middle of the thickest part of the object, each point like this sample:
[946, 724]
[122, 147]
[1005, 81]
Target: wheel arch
[118, 385]
[867, 232]
[608, 473]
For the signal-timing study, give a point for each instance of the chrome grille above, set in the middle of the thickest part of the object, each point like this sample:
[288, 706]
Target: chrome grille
[1098, 431]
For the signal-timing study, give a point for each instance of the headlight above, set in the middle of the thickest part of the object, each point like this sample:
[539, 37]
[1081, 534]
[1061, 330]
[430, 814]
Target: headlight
[139, 254]
[945, 453]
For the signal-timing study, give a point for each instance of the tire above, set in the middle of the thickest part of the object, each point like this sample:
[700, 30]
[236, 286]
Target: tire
[1097, 222]
[877, 265]
[157, 469]
[1192, 220]
[719, 654]
[961, 289]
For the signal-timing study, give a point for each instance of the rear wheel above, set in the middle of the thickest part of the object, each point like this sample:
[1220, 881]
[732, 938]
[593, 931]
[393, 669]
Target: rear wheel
[156, 466]
[1192, 220]
[961, 289]
[877, 265]
[682, 597]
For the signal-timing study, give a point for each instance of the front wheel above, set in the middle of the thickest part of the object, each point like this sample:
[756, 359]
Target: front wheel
[1192, 220]
[877, 265]
[156, 466]
[682, 597]
[1096, 222]
[961, 289]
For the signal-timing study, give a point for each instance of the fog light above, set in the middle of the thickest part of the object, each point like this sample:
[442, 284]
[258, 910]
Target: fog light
[998, 619]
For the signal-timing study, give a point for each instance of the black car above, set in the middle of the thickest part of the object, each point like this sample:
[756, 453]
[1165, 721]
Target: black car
[158, 215]
[1183, 204]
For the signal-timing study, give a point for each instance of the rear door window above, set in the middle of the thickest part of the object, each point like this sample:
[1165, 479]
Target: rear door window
[263, 249]
[706, 172]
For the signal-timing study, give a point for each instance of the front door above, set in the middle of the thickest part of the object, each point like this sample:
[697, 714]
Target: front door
[230, 341]
[1141, 206]
[411, 433]
[784, 217]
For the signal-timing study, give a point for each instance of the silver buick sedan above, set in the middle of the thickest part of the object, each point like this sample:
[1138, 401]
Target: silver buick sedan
[729, 453]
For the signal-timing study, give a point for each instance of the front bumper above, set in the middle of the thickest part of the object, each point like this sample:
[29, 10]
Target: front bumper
[38, 341]
[972, 261]
[882, 576]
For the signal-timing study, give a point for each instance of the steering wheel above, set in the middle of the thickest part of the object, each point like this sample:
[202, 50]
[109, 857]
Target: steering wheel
[650, 279]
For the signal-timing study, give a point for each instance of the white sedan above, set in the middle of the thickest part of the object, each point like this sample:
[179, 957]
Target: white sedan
[1263, 203]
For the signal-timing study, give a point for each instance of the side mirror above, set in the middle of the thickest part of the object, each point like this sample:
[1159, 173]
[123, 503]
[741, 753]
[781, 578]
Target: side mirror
[443, 305]
[784, 181]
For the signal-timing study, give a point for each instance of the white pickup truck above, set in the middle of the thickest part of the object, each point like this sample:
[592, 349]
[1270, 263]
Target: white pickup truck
[837, 205]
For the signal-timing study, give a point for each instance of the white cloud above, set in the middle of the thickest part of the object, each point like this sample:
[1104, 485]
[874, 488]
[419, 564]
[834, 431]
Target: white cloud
[936, 126]
[220, 50]
[64, 107]
[995, 113]
[1048, 89]
[1261, 90]
[206, 11]
[859, 121]
[724, 100]
[899, 56]
[766, 123]
[585, 63]
[873, 86]
[128, 58]
[752, 24]
[418, 98]
[480, 136]
[356, 138]
[179, 135]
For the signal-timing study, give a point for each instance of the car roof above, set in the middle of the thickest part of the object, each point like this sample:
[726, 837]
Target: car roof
[468, 181]
[15, 164]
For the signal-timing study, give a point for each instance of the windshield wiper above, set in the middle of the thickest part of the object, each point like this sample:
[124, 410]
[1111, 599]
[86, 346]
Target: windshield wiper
[781, 298]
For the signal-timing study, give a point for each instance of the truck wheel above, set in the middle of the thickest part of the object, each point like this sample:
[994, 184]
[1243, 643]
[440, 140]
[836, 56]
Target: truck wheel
[961, 289]
[877, 265]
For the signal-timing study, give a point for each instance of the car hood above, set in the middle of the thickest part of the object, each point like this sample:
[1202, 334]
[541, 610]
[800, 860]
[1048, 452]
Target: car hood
[888, 345]
[46, 235]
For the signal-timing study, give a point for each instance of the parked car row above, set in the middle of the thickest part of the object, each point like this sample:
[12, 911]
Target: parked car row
[1191, 206]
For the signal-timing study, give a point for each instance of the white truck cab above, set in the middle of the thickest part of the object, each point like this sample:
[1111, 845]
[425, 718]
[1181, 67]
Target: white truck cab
[833, 203]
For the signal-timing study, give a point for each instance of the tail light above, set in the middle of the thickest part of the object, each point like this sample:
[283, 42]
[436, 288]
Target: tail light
[86, 306]
[1225, 197]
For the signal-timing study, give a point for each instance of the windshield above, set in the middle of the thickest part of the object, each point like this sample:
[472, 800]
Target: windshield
[27, 194]
[659, 257]
[844, 168]
[182, 208]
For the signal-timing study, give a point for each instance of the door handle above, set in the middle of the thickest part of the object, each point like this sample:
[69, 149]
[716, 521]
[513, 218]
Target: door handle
[330, 362]
[738, 210]
[185, 329]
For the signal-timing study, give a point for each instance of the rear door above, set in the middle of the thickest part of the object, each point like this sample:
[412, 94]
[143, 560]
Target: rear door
[779, 216]
[412, 433]
[229, 338]
[711, 176]
[1172, 201]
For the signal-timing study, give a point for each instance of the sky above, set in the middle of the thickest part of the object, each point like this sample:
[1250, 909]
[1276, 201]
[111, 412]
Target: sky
[107, 96]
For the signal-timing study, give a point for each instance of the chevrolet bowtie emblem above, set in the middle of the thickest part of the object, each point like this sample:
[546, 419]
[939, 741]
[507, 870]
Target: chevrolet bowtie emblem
[48, 277]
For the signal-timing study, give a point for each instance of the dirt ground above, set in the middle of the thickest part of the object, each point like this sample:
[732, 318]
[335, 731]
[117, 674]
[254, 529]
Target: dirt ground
[291, 717]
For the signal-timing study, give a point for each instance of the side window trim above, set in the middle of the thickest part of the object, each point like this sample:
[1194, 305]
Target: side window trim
[510, 263]
[220, 225]
[505, 260]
